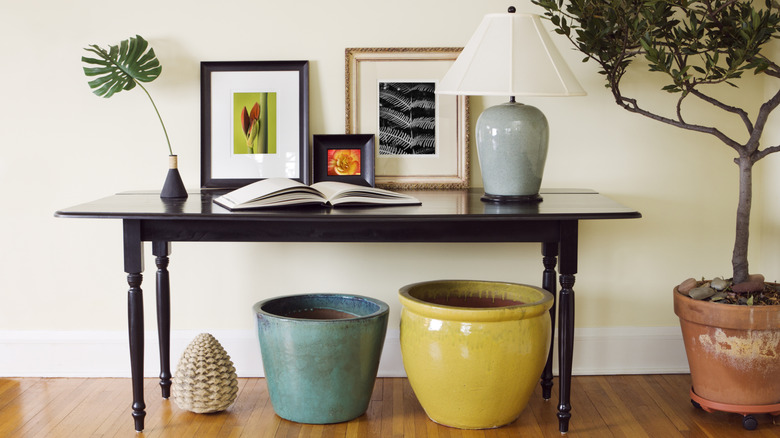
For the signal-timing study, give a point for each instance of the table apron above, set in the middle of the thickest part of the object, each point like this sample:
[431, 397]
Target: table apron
[349, 231]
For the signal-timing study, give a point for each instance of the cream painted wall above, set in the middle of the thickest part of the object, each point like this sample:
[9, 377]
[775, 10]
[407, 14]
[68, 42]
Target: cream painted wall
[61, 145]
[770, 183]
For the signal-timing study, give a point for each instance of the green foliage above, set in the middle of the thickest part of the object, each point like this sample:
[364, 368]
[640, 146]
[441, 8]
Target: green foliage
[119, 67]
[694, 42]
[122, 67]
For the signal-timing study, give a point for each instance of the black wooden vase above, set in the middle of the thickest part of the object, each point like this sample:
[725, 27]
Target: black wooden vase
[173, 188]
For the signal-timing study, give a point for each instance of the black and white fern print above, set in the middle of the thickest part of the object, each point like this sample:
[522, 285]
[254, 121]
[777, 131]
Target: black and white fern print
[407, 118]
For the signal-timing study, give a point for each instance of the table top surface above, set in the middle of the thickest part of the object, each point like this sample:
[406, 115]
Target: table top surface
[557, 204]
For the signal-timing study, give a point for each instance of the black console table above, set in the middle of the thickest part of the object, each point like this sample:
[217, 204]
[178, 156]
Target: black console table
[444, 216]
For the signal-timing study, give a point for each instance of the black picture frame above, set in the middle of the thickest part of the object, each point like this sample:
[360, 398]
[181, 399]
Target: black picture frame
[222, 167]
[325, 143]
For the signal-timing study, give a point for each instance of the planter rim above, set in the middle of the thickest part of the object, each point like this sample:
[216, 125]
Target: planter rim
[482, 314]
[726, 315]
[383, 307]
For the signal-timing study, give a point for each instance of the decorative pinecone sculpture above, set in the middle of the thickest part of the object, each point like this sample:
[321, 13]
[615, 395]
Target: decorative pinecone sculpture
[205, 379]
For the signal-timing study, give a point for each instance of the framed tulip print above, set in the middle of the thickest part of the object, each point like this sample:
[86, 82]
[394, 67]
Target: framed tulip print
[346, 158]
[254, 122]
[422, 137]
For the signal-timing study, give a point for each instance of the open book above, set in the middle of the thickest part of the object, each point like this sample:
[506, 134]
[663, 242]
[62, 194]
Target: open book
[279, 192]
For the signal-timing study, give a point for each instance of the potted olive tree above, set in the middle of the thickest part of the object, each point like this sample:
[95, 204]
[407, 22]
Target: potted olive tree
[700, 45]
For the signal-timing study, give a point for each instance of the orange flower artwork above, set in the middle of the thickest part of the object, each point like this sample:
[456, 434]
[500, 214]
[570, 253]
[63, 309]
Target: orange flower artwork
[343, 162]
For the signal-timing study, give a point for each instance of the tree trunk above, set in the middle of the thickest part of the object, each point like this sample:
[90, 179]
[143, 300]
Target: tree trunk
[739, 259]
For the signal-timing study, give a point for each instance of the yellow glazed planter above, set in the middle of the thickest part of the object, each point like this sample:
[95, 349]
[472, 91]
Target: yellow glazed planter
[474, 350]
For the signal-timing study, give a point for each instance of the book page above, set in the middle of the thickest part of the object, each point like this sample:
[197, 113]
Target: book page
[333, 190]
[263, 189]
[282, 191]
[342, 193]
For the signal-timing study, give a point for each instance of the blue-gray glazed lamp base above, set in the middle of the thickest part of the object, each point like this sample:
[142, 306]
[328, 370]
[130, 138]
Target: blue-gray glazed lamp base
[512, 148]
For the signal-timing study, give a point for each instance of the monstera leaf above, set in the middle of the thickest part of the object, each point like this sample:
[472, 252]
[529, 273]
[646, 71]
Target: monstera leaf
[123, 67]
[120, 67]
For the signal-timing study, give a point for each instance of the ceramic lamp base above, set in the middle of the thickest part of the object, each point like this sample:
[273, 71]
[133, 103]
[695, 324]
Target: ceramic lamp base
[528, 199]
[512, 147]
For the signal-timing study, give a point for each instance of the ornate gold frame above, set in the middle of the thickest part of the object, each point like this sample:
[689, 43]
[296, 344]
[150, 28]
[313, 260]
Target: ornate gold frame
[450, 167]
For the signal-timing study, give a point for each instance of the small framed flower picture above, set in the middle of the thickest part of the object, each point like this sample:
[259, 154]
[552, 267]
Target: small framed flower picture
[344, 157]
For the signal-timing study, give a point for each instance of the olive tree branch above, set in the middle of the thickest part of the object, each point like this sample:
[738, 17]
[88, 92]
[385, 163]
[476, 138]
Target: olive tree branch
[773, 69]
[713, 14]
[761, 120]
[632, 105]
[764, 152]
[732, 109]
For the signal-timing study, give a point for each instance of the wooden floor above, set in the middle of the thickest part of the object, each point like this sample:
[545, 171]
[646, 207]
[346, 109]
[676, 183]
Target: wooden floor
[654, 406]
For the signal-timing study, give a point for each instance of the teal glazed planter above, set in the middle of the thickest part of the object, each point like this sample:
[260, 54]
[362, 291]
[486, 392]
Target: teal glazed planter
[321, 354]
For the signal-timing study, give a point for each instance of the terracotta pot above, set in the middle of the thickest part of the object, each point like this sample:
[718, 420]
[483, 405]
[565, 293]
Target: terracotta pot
[474, 350]
[321, 354]
[733, 351]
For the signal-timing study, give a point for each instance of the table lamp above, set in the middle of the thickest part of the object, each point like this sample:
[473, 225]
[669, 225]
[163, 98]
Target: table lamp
[512, 55]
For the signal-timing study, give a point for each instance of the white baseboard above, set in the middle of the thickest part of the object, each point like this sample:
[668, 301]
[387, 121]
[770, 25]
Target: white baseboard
[617, 350]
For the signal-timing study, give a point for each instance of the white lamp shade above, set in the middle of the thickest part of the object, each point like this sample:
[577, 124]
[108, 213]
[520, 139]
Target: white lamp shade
[510, 54]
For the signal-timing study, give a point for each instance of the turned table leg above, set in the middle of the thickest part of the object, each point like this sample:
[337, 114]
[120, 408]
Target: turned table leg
[161, 251]
[133, 256]
[565, 349]
[568, 267]
[550, 259]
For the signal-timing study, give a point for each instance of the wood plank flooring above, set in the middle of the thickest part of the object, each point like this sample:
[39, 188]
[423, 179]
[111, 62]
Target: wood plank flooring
[653, 406]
